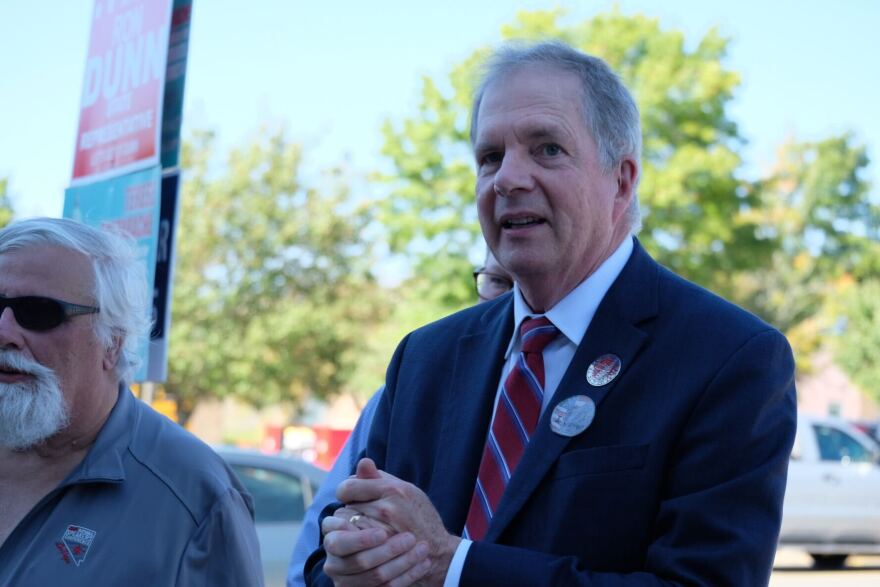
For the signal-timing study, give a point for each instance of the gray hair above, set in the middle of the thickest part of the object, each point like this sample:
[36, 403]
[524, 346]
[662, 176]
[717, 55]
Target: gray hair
[120, 283]
[609, 110]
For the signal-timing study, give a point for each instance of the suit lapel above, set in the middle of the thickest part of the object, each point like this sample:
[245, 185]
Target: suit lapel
[476, 370]
[614, 329]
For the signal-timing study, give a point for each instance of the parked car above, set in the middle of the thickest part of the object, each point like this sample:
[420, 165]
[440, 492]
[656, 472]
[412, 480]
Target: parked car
[869, 427]
[282, 488]
[832, 501]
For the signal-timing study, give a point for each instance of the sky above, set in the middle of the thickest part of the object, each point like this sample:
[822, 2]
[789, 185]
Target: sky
[332, 71]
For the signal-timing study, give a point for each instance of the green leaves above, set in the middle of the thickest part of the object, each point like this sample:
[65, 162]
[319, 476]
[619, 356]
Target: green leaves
[272, 289]
[858, 344]
[814, 207]
[5, 204]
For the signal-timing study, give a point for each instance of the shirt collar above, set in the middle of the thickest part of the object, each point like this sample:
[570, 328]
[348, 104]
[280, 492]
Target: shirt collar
[573, 313]
[104, 460]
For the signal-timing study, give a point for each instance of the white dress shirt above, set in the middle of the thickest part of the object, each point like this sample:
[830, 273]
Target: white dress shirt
[572, 316]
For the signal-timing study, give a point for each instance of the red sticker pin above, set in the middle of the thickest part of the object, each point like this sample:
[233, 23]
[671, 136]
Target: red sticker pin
[603, 370]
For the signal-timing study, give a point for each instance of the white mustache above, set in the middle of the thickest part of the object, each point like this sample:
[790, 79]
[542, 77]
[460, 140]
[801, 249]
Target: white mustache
[30, 411]
[16, 361]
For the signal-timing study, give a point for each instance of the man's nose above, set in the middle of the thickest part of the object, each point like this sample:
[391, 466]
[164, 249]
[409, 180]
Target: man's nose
[514, 174]
[10, 331]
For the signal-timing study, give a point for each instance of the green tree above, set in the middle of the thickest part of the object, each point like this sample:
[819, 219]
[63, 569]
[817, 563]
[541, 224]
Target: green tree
[816, 206]
[6, 212]
[272, 292]
[694, 206]
[410, 309]
[820, 202]
[857, 346]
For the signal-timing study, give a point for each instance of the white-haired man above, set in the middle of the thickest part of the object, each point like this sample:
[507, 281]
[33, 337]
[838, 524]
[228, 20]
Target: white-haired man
[95, 487]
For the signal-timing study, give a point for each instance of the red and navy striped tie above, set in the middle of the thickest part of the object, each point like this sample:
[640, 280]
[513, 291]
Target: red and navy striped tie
[516, 417]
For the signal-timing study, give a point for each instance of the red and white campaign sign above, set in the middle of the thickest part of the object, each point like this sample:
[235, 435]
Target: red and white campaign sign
[121, 109]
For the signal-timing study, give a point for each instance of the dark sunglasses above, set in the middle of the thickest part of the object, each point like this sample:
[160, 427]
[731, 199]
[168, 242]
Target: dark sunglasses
[39, 313]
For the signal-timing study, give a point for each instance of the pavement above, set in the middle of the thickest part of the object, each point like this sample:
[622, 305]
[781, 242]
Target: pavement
[793, 568]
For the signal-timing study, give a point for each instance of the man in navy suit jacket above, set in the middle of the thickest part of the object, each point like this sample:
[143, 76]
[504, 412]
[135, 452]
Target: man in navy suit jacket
[667, 415]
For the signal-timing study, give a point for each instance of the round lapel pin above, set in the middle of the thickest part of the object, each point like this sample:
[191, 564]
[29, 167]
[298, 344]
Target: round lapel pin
[603, 370]
[572, 415]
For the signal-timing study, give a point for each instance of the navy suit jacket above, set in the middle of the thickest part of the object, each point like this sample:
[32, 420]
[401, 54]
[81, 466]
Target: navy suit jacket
[680, 477]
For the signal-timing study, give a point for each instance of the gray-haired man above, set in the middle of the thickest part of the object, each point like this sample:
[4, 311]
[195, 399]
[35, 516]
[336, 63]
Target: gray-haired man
[619, 426]
[95, 487]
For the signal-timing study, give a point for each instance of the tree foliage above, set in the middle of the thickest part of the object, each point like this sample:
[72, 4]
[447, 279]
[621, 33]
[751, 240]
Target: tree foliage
[410, 309]
[858, 343]
[272, 293]
[5, 203]
[816, 206]
[820, 204]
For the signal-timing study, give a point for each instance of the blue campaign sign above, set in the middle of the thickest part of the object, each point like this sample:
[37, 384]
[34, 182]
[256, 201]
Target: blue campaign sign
[129, 203]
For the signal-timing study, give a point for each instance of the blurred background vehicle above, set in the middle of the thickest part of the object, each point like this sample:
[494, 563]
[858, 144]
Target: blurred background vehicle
[870, 428]
[832, 501]
[282, 488]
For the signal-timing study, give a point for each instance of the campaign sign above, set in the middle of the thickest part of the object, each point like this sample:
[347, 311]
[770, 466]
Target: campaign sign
[121, 106]
[129, 203]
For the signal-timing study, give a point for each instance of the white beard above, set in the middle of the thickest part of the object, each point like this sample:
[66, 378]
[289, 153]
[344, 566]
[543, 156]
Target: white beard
[33, 411]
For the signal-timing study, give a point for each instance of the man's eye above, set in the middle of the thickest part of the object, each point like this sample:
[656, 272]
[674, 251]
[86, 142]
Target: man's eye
[490, 158]
[551, 150]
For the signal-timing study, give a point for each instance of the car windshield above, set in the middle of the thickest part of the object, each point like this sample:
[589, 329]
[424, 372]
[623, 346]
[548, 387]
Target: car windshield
[837, 445]
[277, 497]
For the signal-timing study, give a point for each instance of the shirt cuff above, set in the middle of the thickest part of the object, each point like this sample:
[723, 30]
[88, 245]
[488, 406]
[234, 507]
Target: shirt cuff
[453, 575]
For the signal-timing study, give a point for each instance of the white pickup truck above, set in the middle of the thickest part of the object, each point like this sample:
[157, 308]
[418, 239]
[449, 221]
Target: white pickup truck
[832, 501]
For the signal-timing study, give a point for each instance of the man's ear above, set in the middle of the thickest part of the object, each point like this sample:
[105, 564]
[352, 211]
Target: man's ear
[111, 354]
[627, 177]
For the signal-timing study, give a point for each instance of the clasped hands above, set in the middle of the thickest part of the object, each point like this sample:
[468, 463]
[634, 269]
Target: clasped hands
[388, 533]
